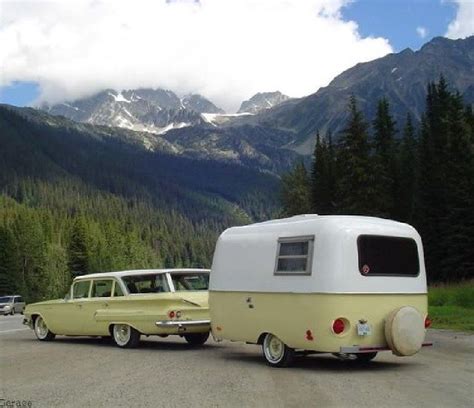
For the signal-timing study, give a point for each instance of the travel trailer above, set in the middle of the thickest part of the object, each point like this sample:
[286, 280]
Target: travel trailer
[347, 285]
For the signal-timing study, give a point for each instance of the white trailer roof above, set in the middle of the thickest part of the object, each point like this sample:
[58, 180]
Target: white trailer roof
[244, 259]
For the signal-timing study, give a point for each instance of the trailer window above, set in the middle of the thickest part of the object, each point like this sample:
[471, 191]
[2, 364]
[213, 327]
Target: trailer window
[294, 256]
[387, 256]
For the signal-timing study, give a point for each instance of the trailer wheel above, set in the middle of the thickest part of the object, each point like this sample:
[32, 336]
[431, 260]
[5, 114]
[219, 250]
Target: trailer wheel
[365, 357]
[277, 353]
[196, 339]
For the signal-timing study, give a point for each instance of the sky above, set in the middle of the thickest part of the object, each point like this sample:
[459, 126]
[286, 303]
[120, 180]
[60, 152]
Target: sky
[227, 50]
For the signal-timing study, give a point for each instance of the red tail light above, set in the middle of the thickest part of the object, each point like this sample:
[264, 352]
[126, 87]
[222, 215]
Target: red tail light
[338, 326]
[427, 322]
[171, 314]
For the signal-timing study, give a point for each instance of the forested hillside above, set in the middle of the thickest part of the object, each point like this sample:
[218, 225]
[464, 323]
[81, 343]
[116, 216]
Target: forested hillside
[73, 201]
[423, 176]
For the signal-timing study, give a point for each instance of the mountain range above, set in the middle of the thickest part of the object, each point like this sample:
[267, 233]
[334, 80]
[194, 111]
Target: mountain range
[271, 130]
[40, 149]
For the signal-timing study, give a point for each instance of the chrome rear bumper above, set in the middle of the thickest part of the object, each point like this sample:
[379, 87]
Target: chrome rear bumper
[370, 349]
[181, 324]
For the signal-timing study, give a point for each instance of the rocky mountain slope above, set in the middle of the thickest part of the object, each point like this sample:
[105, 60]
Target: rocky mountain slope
[114, 161]
[402, 78]
[262, 101]
[271, 130]
[149, 110]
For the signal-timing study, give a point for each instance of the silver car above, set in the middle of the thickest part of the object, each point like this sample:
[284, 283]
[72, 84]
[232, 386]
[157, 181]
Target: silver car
[11, 305]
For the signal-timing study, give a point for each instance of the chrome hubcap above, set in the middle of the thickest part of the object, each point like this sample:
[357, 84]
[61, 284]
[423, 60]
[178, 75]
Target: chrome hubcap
[122, 334]
[273, 348]
[41, 328]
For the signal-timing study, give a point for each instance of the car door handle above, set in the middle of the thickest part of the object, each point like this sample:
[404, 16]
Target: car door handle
[79, 306]
[106, 305]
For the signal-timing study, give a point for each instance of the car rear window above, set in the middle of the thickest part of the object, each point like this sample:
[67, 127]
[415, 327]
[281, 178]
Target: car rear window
[387, 256]
[190, 281]
[148, 283]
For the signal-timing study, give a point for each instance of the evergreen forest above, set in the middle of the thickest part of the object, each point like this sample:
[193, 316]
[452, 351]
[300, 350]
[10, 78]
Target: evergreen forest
[419, 174]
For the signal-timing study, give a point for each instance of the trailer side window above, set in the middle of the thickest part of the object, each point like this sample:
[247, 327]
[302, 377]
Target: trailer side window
[294, 256]
[387, 256]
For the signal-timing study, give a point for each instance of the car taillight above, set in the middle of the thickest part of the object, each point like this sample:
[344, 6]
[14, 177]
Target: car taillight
[427, 322]
[171, 314]
[338, 326]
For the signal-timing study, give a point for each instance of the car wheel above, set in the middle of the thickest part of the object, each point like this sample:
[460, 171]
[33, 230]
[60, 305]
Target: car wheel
[41, 330]
[365, 357]
[196, 339]
[277, 353]
[12, 312]
[125, 336]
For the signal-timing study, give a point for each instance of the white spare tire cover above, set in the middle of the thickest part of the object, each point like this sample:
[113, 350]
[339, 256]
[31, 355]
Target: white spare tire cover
[405, 331]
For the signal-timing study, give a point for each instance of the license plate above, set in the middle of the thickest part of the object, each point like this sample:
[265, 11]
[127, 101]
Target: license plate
[363, 329]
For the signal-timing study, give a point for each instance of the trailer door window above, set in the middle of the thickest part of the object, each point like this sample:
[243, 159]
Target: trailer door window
[387, 256]
[294, 256]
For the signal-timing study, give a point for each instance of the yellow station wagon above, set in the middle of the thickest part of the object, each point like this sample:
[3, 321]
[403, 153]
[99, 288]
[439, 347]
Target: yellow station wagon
[126, 305]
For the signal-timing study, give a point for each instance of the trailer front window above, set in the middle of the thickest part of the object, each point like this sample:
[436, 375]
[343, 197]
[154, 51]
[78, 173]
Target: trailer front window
[387, 256]
[294, 256]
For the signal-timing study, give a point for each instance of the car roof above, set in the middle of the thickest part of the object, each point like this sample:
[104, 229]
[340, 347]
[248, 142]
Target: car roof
[119, 274]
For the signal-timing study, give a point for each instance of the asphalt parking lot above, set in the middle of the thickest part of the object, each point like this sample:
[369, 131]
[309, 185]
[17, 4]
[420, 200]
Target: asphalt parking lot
[82, 372]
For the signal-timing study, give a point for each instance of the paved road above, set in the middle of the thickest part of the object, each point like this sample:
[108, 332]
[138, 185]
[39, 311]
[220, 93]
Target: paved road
[82, 372]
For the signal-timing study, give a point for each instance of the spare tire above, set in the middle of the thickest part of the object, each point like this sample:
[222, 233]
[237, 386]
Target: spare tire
[405, 331]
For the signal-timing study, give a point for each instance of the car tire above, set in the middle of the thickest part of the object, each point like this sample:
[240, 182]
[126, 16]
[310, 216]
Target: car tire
[277, 353]
[41, 330]
[196, 339]
[12, 313]
[365, 357]
[125, 336]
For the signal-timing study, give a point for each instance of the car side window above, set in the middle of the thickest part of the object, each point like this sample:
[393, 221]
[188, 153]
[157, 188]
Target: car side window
[102, 288]
[80, 289]
[117, 290]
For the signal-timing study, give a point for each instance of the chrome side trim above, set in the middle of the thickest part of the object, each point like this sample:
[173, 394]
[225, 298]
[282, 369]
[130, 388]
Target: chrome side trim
[181, 323]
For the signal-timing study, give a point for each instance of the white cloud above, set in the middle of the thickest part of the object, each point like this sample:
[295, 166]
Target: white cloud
[226, 50]
[422, 31]
[463, 24]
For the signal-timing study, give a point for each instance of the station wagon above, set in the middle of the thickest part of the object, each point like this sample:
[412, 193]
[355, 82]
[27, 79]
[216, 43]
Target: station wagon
[125, 305]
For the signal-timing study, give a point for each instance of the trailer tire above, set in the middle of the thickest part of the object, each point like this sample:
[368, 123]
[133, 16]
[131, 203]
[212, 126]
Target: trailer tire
[405, 331]
[277, 353]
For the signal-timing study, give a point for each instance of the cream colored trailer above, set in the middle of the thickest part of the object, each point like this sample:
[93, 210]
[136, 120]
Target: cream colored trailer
[347, 285]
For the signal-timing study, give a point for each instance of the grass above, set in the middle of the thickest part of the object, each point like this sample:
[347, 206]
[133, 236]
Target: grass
[452, 306]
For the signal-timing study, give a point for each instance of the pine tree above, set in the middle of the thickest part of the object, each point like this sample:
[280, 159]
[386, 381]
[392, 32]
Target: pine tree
[30, 256]
[355, 173]
[296, 191]
[7, 252]
[431, 203]
[458, 262]
[323, 183]
[407, 174]
[385, 168]
[78, 249]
